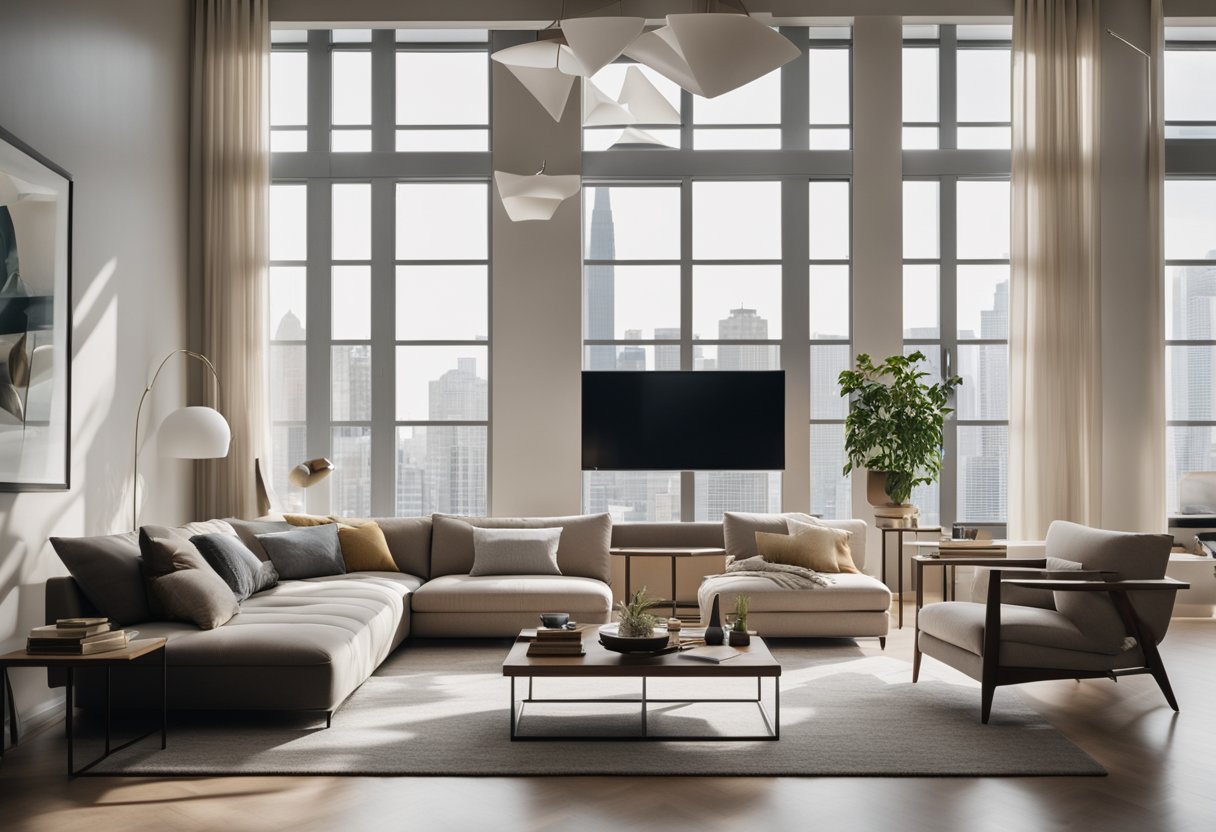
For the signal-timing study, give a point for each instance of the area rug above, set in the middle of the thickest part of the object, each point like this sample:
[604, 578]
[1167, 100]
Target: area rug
[442, 709]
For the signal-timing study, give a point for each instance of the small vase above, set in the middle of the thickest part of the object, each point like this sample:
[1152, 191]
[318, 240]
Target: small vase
[713, 632]
[739, 638]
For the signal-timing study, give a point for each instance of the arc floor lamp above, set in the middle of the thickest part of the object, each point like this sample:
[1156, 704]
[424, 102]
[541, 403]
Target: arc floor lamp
[193, 432]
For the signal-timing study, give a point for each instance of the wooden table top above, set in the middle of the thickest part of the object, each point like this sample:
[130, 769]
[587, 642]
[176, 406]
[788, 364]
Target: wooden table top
[755, 660]
[134, 650]
[667, 551]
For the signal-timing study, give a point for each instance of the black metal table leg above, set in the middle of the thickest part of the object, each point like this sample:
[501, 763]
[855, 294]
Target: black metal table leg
[4, 708]
[68, 720]
[164, 699]
[107, 710]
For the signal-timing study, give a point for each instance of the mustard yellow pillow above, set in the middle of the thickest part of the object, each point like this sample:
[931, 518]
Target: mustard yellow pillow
[840, 538]
[808, 551]
[365, 549]
[307, 520]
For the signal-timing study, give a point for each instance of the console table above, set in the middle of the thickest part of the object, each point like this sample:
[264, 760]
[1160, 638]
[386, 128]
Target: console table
[899, 532]
[674, 553]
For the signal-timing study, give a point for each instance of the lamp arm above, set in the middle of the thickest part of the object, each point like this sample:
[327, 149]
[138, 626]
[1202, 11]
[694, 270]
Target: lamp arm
[139, 410]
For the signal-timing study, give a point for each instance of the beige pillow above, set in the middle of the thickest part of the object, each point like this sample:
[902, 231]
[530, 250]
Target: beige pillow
[365, 549]
[807, 551]
[305, 520]
[840, 538]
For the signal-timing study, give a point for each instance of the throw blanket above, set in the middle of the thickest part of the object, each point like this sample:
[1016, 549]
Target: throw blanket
[783, 575]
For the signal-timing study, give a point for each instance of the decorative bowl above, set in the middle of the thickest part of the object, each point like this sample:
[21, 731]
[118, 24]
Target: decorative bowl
[611, 639]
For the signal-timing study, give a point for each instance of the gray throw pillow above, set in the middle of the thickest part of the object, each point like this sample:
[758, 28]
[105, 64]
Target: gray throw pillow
[515, 552]
[232, 561]
[305, 552]
[248, 531]
[107, 569]
[739, 530]
[181, 586]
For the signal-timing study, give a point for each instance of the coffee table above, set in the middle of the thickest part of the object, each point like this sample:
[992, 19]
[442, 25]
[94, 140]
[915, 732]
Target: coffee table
[755, 662]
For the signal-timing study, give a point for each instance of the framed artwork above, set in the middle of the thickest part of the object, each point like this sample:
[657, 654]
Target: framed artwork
[35, 320]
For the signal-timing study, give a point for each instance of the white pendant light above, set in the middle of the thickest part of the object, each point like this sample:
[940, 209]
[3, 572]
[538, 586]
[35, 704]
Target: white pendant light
[633, 137]
[598, 41]
[644, 101]
[599, 109]
[535, 197]
[536, 66]
[712, 54]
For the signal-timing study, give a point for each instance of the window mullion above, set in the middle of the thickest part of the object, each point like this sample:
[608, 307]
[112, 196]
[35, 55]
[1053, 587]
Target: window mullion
[384, 364]
[384, 91]
[948, 88]
[948, 319]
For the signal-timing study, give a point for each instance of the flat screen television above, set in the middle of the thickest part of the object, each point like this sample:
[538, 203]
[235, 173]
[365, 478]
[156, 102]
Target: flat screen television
[684, 421]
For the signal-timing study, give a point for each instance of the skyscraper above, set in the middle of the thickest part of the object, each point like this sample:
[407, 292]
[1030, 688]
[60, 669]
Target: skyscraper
[600, 323]
[456, 455]
[1193, 317]
[746, 325]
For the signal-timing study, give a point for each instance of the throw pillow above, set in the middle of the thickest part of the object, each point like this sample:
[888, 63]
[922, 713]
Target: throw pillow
[364, 548]
[107, 569]
[840, 538]
[232, 561]
[305, 520]
[181, 586]
[739, 530]
[810, 551]
[309, 552]
[515, 552]
[583, 551]
[248, 531]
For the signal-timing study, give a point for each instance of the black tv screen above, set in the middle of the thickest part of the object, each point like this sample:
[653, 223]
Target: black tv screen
[683, 421]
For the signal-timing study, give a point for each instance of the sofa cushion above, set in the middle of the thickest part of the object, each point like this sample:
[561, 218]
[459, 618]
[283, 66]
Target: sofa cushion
[364, 548]
[961, 623]
[107, 569]
[308, 552]
[513, 593]
[409, 541]
[235, 564]
[515, 552]
[739, 532]
[248, 531]
[181, 586]
[581, 552]
[848, 593]
[837, 540]
[810, 551]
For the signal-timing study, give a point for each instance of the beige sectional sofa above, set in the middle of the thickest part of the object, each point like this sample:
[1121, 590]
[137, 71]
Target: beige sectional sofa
[306, 645]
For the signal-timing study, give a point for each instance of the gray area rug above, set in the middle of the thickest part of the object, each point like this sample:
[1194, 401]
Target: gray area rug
[442, 709]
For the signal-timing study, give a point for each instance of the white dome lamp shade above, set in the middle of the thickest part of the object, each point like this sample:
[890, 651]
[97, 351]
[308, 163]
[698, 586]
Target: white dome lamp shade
[546, 69]
[535, 197]
[598, 41]
[194, 433]
[712, 54]
[187, 433]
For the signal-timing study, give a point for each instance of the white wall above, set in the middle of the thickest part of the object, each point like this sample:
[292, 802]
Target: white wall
[101, 89]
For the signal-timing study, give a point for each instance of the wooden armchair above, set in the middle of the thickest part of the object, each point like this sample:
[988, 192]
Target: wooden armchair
[1101, 611]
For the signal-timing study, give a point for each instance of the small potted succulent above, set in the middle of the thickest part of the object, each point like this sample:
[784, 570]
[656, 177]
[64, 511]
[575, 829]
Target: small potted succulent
[739, 636]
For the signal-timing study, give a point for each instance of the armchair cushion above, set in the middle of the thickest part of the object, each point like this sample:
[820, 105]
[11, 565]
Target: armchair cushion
[1129, 555]
[961, 623]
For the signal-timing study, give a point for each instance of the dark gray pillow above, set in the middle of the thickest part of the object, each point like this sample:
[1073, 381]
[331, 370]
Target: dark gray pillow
[107, 569]
[248, 531]
[239, 567]
[305, 552]
[181, 586]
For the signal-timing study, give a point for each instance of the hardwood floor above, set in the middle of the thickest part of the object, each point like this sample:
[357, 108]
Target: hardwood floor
[1162, 777]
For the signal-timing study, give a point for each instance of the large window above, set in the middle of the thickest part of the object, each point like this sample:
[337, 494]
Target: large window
[697, 269]
[956, 254]
[379, 274]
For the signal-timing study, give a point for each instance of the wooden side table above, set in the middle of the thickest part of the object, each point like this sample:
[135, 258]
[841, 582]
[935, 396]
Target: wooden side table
[675, 553]
[899, 532]
[140, 649]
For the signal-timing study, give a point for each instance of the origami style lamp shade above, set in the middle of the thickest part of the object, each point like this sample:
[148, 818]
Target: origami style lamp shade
[599, 109]
[644, 101]
[711, 54]
[535, 197]
[546, 68]
[596, 42]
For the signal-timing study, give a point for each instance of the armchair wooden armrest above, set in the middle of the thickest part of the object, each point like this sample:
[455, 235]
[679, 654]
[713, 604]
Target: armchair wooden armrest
[1100, 586]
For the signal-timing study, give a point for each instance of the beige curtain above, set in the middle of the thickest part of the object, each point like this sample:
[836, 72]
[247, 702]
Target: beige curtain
[1055, 334]
[228, 248]
[1152, 468]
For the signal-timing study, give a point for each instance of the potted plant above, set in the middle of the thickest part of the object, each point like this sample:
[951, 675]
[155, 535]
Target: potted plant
[738, 633]
[635, 621]
[894, 429]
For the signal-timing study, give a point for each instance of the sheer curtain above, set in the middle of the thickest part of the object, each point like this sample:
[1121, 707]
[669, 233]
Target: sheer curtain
[228, 246]
[1055, 441]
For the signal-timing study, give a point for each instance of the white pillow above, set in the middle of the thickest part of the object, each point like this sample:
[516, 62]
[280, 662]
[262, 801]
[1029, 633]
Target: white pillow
[515, 551]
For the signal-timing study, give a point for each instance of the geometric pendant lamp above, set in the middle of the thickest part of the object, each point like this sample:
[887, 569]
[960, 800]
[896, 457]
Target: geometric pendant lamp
[600, 109]
[644, 101]
[598, 41]
[534, 197]
[535, 65]
[712, 54]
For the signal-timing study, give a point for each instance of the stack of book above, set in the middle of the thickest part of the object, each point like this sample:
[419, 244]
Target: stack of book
[76, 637]
[557, 642]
